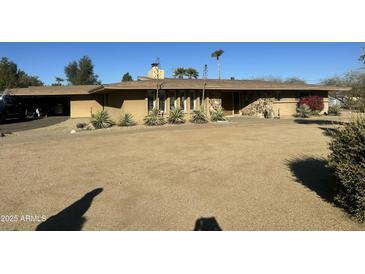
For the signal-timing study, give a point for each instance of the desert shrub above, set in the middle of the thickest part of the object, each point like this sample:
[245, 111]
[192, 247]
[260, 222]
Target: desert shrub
[101, 120]
[176, 116]
[154, 118]
[81, 125]
[347, 161]
[127, 120]
[218, 114]
[334, 110]
[199, 117]
[303, 111]
[315, 103]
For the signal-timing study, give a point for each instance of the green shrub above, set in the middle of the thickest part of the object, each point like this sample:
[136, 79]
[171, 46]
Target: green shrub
[347, 161]
[154, 118]
[101, 120]
[199, 117]
[334, 110]
[127, 120]
[304, 111]
[176, 116]
[218, 115]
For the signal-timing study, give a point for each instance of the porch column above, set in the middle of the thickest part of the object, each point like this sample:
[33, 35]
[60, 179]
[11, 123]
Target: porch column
[167, 102]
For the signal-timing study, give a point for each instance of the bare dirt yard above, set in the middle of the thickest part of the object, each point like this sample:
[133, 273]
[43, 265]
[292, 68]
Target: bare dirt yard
[249, 174]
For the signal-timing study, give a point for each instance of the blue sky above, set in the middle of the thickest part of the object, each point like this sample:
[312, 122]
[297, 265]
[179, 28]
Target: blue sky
[310, 61]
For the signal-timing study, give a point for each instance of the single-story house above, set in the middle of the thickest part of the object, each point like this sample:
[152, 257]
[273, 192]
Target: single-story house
[139, 97]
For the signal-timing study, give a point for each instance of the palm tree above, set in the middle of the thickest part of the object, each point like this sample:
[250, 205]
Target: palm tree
[179, 72]
[191, 73]
[216, 55]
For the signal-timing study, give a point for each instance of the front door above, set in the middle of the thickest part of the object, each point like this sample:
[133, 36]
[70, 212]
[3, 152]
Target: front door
[231, 103]
[227, 103]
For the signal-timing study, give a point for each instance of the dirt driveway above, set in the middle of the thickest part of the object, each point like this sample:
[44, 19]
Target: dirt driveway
[251, 174]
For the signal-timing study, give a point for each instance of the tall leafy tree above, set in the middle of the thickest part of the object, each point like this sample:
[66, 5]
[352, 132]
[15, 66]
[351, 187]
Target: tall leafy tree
[8, 74]
[11, 76]
[217, 54]
[179, 72]
[81, 72]
[71, 72]
[191, 73]
[24, 80]
[127, 77]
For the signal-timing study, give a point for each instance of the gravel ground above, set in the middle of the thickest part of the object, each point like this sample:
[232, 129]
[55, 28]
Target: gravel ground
[249, 174]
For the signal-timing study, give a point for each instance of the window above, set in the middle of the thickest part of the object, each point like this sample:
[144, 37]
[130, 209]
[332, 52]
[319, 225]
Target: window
[192, 100]
[182, 100]
[172, 101]
[277, 96]
[161, 100]
[150, 100]
[198, 99]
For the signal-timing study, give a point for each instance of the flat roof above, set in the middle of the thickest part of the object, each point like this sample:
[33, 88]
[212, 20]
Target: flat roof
[53, 90]
[169, 84]
[215, 85]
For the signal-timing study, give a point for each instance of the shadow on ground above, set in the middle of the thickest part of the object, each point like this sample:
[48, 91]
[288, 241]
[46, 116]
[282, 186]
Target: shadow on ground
[19, 125]
[313, 174]
[317, 122]
[71, 218]
[327, 131]
[207, 224]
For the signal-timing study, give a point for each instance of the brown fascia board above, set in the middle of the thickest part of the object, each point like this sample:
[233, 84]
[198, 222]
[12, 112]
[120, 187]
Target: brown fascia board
[105, 89]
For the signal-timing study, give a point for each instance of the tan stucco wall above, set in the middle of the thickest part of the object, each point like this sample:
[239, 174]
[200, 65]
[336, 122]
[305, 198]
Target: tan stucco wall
[84, 105]
[288, 105]
[133, 102]
[118, 102]
[285, 107]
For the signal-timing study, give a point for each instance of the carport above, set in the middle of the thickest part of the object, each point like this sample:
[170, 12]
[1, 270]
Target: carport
[50, 100]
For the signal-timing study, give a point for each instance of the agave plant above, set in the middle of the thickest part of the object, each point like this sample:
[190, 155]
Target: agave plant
[199, 117]
[218, 115]
[127, 120]
[101, 120]
[154, 118]
[304, 111]
[176, 116]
